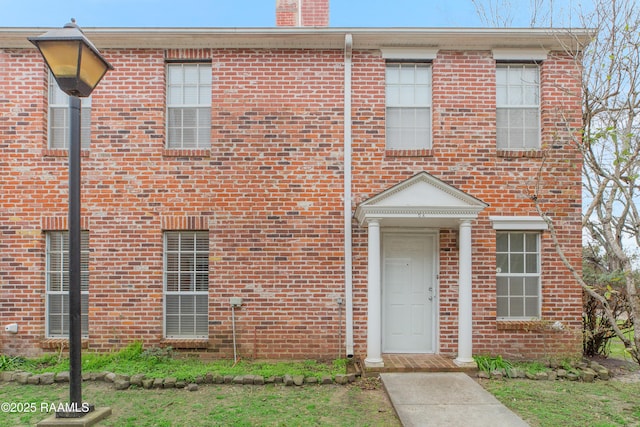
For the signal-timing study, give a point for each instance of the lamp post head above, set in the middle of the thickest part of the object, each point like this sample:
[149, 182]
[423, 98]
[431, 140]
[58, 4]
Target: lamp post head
[74, 61]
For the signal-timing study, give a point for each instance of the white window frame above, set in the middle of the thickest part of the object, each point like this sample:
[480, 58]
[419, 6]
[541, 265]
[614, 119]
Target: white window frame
[531, 304]
[505, 132]
[57, 283]
[181, 286]
[196, 135]
[58, 131]
[421, 100]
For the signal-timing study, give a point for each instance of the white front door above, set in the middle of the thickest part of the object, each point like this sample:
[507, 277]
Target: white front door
[409, 292]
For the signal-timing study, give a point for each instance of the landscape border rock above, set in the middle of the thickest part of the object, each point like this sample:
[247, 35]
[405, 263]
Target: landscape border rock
[582, 371]
[124, 382]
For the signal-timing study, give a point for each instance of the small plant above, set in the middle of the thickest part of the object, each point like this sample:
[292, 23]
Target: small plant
[158, 354]
[491, 364]
[535, 367]
[8, 363]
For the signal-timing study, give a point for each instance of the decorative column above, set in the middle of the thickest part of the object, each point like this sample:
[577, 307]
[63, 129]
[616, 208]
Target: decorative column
[374, 298]
[465, 307]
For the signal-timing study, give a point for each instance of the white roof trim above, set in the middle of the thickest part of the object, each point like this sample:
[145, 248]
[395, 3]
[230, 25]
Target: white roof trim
[518, 223]
[421, 197]
[409, 53]
[525, 54]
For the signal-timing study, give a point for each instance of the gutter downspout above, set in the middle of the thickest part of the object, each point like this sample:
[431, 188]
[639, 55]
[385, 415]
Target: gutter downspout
[348, 261]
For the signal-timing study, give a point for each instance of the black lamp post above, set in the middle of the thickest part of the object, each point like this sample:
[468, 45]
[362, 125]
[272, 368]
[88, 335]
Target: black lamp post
[78, 67]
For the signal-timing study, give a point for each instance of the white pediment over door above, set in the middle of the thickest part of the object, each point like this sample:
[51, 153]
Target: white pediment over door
[422, 200]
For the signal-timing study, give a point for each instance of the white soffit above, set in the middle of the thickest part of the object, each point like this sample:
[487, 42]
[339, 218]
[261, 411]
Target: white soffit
[524, 54]
[427, 54]
[518, 223]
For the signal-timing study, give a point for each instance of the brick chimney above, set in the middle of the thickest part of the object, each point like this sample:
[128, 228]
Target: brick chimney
[302, 13]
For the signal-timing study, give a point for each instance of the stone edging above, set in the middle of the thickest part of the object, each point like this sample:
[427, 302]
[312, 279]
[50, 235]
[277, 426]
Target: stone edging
[124, 382]
[583, 371]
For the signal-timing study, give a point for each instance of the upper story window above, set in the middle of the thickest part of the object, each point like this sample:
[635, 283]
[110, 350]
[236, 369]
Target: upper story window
[59, 118]
[518, 106]
[408, 92]
[188, 105]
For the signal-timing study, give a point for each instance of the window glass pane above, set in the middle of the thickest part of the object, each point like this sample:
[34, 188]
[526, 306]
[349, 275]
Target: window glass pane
[393, 74]
[174, 74]
[191, 95]
[204, 96]
[407, 74]
[202, 326]
[502, 286]
[393, 95]
[502, 263]
[502, 308]
[502, 97]
[502, 242]
[174, 97]
[407, 95]
[530, 95]
[530, 75]
[516, 242]
[516, 286]
[531, 309]
[532, 263]
[422, 96]
[531, 286]
[423, 75]
[516, 307]
[516, 96]
[187, 304]
[516, 263]
[186, 281]
[514, 77]
[532, 242]
[189, 117]
[172, 282]
[191, 74]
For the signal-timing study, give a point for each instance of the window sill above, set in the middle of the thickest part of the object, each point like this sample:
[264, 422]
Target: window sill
[61, 152]
[174, 152]
[426, 152]
[522, 325]
[61, 343]
[532, 154]
[200, 343]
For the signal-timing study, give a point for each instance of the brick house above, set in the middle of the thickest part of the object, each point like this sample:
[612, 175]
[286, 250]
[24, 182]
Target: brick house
[364, 191]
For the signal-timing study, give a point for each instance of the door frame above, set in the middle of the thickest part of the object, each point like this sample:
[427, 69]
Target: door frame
[435, 312]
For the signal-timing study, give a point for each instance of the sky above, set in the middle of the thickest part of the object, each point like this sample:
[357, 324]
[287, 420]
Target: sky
[260, 13]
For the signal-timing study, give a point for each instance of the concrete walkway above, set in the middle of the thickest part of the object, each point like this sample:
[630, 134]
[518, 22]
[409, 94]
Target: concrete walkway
[445, 399]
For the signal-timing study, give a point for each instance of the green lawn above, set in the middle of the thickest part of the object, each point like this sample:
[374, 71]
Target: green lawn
[565, 403]
[216, 405]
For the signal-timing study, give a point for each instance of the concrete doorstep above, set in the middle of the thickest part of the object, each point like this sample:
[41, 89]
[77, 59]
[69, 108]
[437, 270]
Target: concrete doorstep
[445, 399]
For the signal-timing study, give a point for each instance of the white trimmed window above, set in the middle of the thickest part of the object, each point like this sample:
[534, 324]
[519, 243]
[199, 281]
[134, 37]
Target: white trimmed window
[518, 275]
[408, 94]
[57, 306]
[59, 118]
[518, 106]
[188, 106]
[186, 284]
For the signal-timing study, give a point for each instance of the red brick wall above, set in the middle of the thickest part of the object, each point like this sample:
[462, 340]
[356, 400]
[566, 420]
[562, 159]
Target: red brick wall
[464, 155]
[270, 193]
[314, 13]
